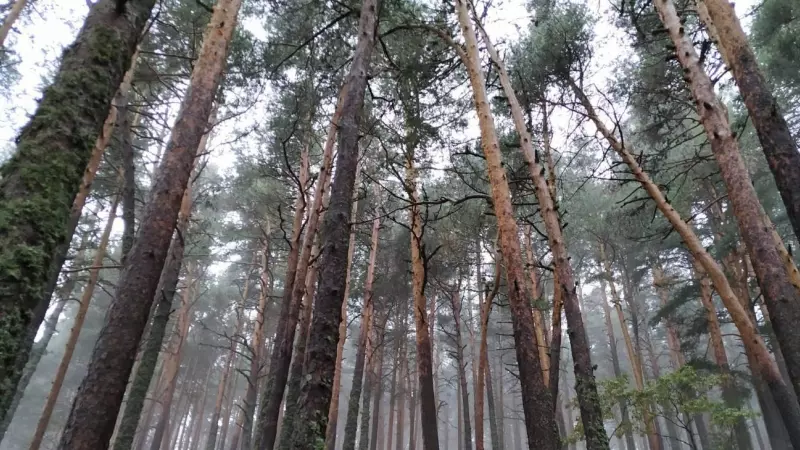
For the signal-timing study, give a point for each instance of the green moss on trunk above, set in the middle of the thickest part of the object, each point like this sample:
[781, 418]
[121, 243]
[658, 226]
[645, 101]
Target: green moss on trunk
[42, 178]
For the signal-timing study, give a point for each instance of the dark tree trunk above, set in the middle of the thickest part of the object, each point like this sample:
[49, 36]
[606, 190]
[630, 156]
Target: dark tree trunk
[462, 372]
[320, 364]
[165, 294]
[93, 415]
[377, 388]
[294, 290]
[41, 180]
[494, 432]
[365, 344]
[129, 176]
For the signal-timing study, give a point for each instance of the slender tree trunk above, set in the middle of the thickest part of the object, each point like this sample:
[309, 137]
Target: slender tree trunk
[393, 392]
[413, 408]
[460, 418]
[377, 384]
[44, 216]
[403, 391]
[485, 302]
[172, 361]
[77, 327]
[612, 340]
[720, 357]
[127, 119]
[226, 420]
[9, 21]
[251, 394]
[500, 405]
[538, 297]
[211, 442]
[201, 416]
[496, 445]
[536, 398]
[333, 412]
[426, 395]
[165, 294]
[633, 356]
[780, 293]
[237, 432]
[753, 342]
[93, 415]
[293, 294]
[364, 344]
[320, 365]
[465, 439]
[588, 400]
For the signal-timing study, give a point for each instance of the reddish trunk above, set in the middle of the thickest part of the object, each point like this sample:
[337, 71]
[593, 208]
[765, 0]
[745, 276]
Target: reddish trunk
[93, 415]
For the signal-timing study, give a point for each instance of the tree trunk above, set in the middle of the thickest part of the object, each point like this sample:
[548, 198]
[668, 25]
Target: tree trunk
[211, 442]
[729, 394]
[393, 392]
[413, 408]
[538, 297]
[377, 384]
[588, 400]
[165, 293]
[8, 22]
[426, 395]
[365, 343]
[91, 420]
[496, 445]
[80, 317]
[465, 439]
[780, 294]
[500, 405]
[251, 394]
[226, 420]
[320, 364]
[172, 361]
[612, 340]
[485, 303]
[536, 399]
[780, 148]
[42, 179]
[633, 356]
[403, 391]
[40, 348]
[333, 412]
[294, 291]
[752, 340]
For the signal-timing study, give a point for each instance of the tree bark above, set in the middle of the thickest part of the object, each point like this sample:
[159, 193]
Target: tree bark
[40, 348]
[425, 392]
[211, 442]
[612, 340]
[364, 343]
[315, 392]
[780, 148]
[293, 294]
[403, 391]
[536, 398]
[633, 356]
[333, 412]
[77, 327]
[377, 383]
[251, 394]
[172, 361]
[586, 387]
[91, 420]
[720, 357]
[780, 294]
[9, 21]
[465, 439]
[754, 344]
[165, 294]
[490, 396]
[41, 180]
